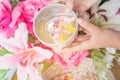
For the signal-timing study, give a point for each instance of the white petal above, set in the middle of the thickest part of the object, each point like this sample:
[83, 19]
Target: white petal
[115, 19]
[21, 35]
[8, 44]
[10, 74]
[42, 54]
[18, 42]
[113, 26]
[111, 50]
[111, 6]
[22, 73]
[7, 61]
[34, 75]
[109, 58]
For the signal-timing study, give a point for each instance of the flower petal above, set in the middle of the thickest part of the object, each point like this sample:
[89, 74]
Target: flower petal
[8, 44]
[7, 61]
[111, 50]
[77, 57]
[10, 74]
[18, 42]
[7, 4]
[115, 19]
[42, 54]
[111, 6]
[22, 73]
[21, 35]
[113, 26]
[33, 74]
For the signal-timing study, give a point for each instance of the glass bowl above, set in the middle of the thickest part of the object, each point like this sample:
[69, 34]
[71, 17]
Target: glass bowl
[54, 26]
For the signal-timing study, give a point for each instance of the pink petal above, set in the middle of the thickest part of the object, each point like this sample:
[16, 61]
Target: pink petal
[7, 4]
[16, 13]
[22, 73]
[42, 54]
[9, 44]
[77, 57]
[118, 12]
[58, 59]
[7, 61]
[18, 42]
[33, 74]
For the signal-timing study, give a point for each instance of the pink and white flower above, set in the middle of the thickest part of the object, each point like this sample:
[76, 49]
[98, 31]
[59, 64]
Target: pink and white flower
[24, 57]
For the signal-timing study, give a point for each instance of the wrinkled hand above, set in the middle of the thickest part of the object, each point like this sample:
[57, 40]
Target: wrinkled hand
[79, 6]
[95, 37]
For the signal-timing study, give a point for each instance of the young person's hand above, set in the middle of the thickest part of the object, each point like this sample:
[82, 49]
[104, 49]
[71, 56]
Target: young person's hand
[95, 37]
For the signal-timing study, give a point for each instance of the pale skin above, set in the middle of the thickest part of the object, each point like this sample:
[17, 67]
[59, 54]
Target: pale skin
[79, 6]
[95, 37]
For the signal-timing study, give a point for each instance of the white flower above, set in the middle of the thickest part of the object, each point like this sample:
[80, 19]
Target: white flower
[109, 59]
[103, 75]
[106, 16]
[111, 50]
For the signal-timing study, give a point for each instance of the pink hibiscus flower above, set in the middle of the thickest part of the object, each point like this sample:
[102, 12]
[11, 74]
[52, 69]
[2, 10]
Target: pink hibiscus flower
[24, 57]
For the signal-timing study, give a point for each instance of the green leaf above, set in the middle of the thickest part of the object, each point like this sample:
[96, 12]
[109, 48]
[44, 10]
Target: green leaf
[98, 55]
[3, 52]
[14, 3]
[3, 73]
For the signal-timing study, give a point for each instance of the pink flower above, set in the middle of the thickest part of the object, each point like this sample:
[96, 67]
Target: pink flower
[24, 12]
[5, 18]
[71, 60]
[24, 57]
[67, 60]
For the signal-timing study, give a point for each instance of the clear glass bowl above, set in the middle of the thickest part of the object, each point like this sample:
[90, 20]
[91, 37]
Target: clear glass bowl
[54, 19]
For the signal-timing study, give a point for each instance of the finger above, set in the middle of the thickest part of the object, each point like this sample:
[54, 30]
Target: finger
[81, 13]
[87, 3]
[58, 1]
[86, 45]
[82, 38]
[79, 39]
[80, 28]
[69, 5]
[88, 26]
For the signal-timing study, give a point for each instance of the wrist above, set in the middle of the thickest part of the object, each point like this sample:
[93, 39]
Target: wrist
[114, 40]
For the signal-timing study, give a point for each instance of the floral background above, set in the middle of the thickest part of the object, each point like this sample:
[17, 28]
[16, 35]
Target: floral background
[20, 50]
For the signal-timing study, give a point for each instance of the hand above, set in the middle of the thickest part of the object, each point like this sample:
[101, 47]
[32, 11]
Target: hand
[95, 37]
[79, 6]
